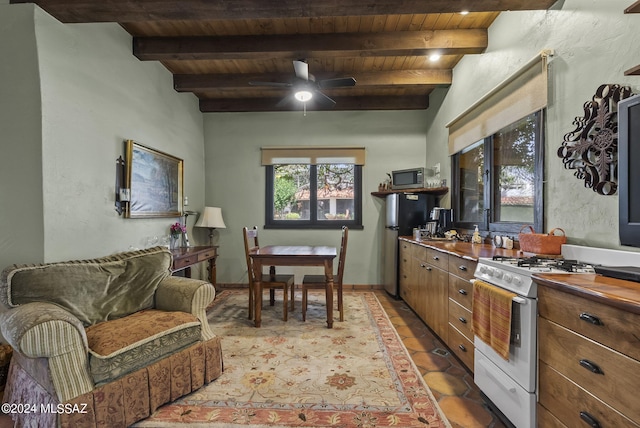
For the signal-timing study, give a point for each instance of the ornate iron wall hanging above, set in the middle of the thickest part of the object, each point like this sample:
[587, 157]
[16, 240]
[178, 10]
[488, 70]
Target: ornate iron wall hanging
[592, 147]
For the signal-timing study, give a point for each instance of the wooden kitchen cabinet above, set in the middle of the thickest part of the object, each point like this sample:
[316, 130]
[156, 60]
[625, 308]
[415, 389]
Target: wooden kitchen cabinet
[435, 284]
[407, 275]
[460, 292]
[589, 361]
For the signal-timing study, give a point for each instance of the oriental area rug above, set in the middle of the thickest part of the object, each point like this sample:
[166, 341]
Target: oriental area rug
[302, 374]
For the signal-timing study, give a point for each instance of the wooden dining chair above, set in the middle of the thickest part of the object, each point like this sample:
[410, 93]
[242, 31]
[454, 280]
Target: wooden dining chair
[269, 280]
[310, 282]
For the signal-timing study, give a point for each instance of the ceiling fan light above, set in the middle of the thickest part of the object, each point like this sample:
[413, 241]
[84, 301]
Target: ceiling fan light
[303, 96]
[434, 57]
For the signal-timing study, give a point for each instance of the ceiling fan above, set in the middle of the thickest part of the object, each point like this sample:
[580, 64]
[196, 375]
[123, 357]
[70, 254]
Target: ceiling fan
[306, 88]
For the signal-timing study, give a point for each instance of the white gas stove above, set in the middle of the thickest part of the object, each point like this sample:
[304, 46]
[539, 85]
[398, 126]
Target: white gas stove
[514, 273]
[511, 384]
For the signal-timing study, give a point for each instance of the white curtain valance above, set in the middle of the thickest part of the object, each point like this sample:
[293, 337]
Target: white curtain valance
[312, 155]
[523, 93]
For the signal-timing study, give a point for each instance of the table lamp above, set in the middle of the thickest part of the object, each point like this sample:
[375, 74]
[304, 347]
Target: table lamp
[212, 219]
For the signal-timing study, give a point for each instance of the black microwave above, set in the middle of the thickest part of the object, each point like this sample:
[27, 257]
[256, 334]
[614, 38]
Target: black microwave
[407, 178]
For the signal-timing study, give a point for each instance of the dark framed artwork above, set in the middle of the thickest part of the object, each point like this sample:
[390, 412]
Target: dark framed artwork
[155, 180]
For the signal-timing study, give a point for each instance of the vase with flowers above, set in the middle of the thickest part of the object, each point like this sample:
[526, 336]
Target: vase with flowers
[176, 230]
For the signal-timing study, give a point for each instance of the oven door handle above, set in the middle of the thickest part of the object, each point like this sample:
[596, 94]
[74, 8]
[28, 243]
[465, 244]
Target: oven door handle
[516, 299]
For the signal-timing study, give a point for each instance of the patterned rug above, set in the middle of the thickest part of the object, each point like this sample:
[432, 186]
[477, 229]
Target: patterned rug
[301, 374]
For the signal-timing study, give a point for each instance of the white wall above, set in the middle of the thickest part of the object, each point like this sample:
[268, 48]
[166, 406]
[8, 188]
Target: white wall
[21, 223]
[94, 95]
[236, 180]
[594, 42]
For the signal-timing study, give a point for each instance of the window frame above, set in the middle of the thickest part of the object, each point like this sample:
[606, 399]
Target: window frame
[488, 222]
[313, 222]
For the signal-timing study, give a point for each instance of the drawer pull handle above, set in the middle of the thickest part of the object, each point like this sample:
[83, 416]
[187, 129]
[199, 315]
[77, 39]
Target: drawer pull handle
[591, 319]
[463, 348]
[463, 267]
[592, 367]
[590, 420]
[428, 268]
[462, 320]
[436, 258]
[462, 291]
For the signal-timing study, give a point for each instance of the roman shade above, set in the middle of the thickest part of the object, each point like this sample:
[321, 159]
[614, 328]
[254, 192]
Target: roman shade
[521, 94]
[312, 155]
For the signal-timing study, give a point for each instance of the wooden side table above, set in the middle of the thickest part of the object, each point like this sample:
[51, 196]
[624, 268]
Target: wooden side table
[185, 257]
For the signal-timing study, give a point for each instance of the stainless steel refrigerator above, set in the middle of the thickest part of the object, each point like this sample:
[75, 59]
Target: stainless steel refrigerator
[404, 211]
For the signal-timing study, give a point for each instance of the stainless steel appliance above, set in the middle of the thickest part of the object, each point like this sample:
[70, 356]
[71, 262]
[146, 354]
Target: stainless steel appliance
[511, 385]
[443, 218]
[407, 178]
[404, 211]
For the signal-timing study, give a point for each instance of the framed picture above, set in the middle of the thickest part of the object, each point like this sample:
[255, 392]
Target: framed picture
[155, 180]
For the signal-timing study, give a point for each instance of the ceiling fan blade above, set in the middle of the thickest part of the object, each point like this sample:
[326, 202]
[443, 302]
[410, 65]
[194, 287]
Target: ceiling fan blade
[322, 100]
[302, 69]
[337, 83]
[274, 84]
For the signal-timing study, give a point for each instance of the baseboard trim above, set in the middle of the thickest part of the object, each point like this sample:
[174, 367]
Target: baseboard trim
[346, 287]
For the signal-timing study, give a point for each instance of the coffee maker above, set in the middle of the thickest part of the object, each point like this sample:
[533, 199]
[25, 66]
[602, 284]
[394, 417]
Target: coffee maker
[441, 220]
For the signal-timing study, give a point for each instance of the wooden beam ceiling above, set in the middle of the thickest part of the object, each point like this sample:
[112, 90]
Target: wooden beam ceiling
[158, 10]
[215, 48]
[295, 46]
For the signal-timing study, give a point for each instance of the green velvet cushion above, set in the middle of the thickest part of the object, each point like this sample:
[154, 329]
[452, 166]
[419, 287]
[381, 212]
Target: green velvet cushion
[93, 290]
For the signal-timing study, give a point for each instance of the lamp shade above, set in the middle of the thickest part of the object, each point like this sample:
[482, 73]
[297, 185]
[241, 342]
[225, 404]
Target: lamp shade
[212, 218]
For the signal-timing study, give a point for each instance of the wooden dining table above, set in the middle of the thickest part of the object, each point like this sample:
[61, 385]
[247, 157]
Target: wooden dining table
[292, 255]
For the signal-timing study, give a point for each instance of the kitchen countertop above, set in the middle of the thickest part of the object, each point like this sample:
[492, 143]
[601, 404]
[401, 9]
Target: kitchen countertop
[614, 292]
[465, 250]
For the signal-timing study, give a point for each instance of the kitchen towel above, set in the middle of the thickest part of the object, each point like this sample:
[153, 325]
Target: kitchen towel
[491, 309]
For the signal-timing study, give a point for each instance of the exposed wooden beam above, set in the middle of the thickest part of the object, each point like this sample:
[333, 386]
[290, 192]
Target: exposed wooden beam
[417, 102]
[204, 82]
[295, 46]
[160, 10]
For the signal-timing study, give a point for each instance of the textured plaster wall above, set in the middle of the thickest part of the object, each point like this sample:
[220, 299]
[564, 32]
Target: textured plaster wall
[236, 180]
[21, 223]
[594, 42]
[93, 95]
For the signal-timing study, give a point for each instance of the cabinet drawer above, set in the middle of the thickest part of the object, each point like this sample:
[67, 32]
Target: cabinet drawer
[206, 255]
[603, 372]
[547, 420]
[183, 262]
[437, 258]
[461, 346]
[464, 268]
[460, 318]
[419, 252]
[617, 329]
[567, 401]
[460, 290]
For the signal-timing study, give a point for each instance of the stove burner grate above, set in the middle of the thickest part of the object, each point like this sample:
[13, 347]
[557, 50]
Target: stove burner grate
[536, 262]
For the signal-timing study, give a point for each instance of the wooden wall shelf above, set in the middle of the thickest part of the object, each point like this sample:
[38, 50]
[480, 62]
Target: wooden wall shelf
[438, 191]
[634, 71]
[634, 8]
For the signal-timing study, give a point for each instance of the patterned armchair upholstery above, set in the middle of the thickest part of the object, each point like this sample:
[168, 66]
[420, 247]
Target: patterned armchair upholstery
[113, 338]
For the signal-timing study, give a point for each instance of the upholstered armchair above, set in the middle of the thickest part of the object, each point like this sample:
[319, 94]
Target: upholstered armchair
[114, 337]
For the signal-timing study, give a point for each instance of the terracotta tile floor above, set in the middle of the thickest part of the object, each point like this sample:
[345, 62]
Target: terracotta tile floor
[451, 384]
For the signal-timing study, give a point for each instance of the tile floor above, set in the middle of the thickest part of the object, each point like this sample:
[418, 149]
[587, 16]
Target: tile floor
[451, 384]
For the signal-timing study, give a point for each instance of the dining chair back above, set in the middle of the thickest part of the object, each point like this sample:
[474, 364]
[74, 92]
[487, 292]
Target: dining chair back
[310, 282]
[272, 281]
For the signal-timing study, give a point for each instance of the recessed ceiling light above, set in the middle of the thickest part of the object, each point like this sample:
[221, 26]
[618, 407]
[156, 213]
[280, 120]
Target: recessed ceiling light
[303, 96]
[464, 12]
[434, 57]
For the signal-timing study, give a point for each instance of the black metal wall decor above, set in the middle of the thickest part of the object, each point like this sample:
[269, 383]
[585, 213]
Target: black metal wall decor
[591, 149]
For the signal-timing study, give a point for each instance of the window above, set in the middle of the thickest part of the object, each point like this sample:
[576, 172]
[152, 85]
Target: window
[498, 181]
[323, 196]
